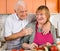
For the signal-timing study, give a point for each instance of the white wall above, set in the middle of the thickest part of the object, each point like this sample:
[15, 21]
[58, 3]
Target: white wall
[55, 20]
[2, 20]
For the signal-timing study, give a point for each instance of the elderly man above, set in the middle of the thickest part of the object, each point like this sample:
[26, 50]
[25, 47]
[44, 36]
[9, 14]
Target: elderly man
[15, 26]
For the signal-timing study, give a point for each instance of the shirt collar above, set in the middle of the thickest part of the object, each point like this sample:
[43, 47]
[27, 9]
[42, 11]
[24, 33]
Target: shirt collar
[18, 18]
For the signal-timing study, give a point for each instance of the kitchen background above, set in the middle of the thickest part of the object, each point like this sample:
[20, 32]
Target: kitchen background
[7, 8]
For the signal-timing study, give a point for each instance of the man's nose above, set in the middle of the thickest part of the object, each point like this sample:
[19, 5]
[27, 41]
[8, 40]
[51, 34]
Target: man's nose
[24, 13]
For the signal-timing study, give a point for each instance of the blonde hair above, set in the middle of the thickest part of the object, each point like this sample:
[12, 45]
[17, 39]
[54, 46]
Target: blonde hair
[47, 12]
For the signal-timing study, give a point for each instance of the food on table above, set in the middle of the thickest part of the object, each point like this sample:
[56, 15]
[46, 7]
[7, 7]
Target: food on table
[39, 49]
[53, 48]
[46, 49]
[58, 46]
[14, 50]
[21, 50]
[17, 50]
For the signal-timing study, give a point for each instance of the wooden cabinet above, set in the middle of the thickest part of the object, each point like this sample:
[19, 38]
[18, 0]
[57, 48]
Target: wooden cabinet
[59, 6]
[36, 4]
[2, 6]
[10, 6]
[32, 5]
[52, 5]
[7, 6]
[29, 5]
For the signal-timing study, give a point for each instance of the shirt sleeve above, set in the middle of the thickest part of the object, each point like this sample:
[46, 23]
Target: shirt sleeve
[53, 30]
[8, 27]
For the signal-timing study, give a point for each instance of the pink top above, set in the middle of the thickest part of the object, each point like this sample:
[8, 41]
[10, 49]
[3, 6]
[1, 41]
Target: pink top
[41, 39]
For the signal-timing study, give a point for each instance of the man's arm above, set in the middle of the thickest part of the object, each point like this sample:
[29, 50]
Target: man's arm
[20, 34]
[15, 36]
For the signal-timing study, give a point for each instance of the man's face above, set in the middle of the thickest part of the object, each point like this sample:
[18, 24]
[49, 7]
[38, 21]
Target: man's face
[21, 12]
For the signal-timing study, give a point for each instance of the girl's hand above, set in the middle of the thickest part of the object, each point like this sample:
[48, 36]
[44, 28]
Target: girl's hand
[48, 44]
[32, 46]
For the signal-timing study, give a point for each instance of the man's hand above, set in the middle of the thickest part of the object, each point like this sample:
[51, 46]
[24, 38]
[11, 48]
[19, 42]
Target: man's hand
[27, 31]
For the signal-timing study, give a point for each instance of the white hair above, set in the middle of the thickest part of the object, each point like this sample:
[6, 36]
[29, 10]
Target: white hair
[21, 3]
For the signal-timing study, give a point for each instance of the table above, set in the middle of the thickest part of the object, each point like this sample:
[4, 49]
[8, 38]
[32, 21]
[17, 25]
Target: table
[17, 50]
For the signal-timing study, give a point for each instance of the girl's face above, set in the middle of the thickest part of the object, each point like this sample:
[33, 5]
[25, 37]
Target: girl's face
[41, 17]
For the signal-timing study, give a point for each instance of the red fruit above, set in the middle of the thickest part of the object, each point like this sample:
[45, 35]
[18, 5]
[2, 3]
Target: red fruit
[53, 48]
[14, 50]
[21, 50]
[40, 48]
[37, 48]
